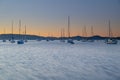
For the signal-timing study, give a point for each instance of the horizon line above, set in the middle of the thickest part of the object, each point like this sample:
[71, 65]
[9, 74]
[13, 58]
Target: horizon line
[56, 36]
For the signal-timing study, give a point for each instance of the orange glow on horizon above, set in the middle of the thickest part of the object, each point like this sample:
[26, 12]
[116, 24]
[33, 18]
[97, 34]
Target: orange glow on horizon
[56, 34]
[56, 31]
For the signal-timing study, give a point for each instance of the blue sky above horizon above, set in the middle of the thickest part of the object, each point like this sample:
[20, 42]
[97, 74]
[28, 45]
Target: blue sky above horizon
[47, 17]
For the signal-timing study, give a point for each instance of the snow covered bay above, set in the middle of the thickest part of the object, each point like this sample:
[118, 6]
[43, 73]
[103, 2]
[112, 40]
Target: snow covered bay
[59, 61]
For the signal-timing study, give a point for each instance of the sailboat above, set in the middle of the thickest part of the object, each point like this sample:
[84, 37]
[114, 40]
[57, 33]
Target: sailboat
[4, 40]
[20, 41]
[84, 39]
[110, 40]
[25, 38]
[69, 40]
[12, 38]
[91, 40]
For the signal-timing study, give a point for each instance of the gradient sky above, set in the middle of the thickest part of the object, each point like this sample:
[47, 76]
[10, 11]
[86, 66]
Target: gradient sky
[47, 17]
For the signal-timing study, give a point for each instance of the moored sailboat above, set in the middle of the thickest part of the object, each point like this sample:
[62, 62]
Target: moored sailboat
[69, 39]
[110, 40]
[25, 38]
[12, 37]
[20, 41]
[84, 34]
[91, 40]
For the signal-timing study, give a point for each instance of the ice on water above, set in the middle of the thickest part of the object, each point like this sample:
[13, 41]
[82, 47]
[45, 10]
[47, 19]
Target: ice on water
[55, 60]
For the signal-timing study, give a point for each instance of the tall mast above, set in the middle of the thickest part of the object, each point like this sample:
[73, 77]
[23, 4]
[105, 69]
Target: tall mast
[19, 26]
[12, 27]
[63, 32]
[82, 32]
[69, 26]
[109, 29]
[25, 32]
[12, 30]
[25, 29]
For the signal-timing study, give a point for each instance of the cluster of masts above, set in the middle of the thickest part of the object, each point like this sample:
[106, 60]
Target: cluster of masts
[21, 40]
[109, 40]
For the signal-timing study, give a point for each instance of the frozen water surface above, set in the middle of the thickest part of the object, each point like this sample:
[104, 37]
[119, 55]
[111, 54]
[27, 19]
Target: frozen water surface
[59, 61]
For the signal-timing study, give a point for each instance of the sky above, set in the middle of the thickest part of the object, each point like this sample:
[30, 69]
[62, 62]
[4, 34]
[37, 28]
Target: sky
[48, 17]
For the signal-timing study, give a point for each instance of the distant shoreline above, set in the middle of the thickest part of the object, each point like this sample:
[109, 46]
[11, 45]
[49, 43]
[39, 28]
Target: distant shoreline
[35, 37]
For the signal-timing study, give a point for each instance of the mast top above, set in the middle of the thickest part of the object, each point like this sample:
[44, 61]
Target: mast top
[69, 26]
